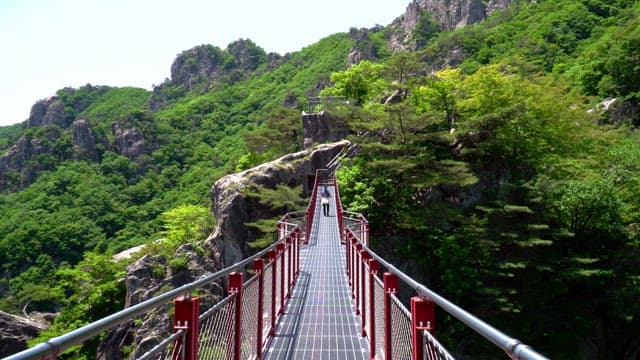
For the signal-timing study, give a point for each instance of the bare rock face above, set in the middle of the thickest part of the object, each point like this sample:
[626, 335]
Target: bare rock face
[84, 143]
[14, 333]
[233, 209]
[449, 14]
[128, 142]
[48, 111]
[364, 48]
[321, 127]
[147, 278]
[13, 162]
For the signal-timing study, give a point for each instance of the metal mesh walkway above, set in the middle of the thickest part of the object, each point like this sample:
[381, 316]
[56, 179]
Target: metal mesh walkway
[319, 322]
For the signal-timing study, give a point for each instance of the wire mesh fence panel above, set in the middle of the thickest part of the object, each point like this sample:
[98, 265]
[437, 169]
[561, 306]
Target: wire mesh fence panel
[366, 300]
[249, 336]
[433, 350]
[285, 258]
[217, 330]
[268, 293]
[277, 270]
[379, 300]
[400, 330]
[169, 348]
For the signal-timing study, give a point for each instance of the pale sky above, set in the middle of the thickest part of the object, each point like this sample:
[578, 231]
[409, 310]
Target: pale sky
[46, 45]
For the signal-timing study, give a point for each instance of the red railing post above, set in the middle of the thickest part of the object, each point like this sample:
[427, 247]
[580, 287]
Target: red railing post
[258, 266]
[298, 254]
[290, 264]
[280, 248]
[347, 250]
[363, 273]
[373, 271]
[357, 284]
[273, 256]
[422, 318]
[353, 267]
[186, 316]
[235, 287]
[390, 287]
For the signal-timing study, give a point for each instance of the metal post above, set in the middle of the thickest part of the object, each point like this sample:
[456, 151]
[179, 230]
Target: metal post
[290, 263]
[363, 273]
[422, 318]
[235, 287]
[347, 250]
[390, 287]
[271, 254]
[358, 277]
[280, 248]
[366, 235]
[353, 268]
[258, 266]
[298, 254]
[187, 312]
[373, 271]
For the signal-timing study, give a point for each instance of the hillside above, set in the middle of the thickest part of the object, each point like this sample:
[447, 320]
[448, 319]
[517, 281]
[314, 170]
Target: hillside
[490, 165]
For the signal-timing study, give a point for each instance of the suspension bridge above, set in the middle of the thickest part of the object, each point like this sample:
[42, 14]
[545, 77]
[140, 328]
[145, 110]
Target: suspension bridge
[319, 292]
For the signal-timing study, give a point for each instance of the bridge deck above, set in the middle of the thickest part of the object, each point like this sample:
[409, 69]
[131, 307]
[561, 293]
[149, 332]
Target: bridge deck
[319, 322]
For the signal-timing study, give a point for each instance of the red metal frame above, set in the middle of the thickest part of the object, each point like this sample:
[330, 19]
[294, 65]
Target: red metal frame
[258, 266]
[280, 249]
[186, 316]
[422, 318]
[363, 274]
[373, 271]
[235, 287]
[390, 287]
[273, 258]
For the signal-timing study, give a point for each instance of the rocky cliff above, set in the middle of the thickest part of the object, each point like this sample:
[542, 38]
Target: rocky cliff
[233, 210]
[447, 14]
[15, 331]
[146, 278]
[54, 136]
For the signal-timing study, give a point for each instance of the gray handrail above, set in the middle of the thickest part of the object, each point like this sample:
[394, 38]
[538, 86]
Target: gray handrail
[513, 347]
[60, 343]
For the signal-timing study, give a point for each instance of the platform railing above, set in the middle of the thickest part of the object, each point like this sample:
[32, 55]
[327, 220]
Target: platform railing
[394, 330]
[236, 327]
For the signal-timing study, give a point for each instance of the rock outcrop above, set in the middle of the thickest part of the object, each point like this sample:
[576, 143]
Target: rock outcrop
[13, 170]
[365, 47]
[128, 142]
[448, 14]
[322, 127]
[233, 210]
[84, 143]
[147, 278]
[15, 331]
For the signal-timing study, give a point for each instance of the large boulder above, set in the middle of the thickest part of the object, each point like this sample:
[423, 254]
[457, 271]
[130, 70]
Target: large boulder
[233, 210]
[15, 331]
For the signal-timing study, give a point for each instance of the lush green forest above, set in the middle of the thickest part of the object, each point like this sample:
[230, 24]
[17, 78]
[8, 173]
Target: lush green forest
[503, 180]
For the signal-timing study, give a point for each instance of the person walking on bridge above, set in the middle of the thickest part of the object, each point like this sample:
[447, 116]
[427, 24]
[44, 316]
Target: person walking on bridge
[324, 200]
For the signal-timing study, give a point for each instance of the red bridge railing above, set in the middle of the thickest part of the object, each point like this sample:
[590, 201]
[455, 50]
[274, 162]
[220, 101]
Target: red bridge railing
[394, 330]
[237, 327]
